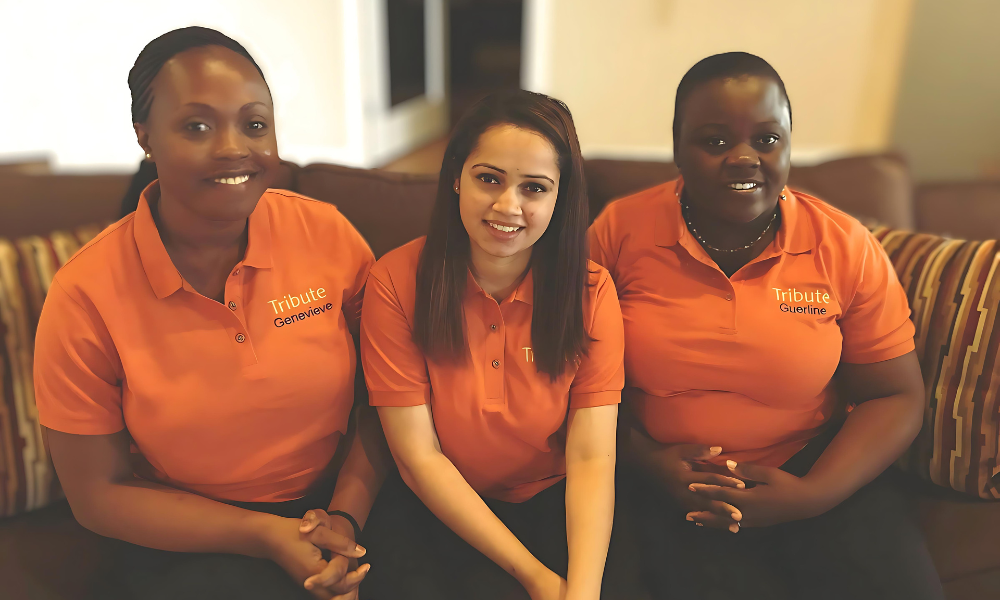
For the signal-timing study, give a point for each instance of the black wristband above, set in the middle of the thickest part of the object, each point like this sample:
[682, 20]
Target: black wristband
[351, 520]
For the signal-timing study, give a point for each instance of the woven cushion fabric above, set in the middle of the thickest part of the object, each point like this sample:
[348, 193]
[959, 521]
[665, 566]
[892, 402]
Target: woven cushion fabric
[954, 290]
[27, 480]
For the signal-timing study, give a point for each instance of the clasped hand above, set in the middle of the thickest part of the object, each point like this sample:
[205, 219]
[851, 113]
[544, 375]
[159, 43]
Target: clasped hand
[712, 499]
[297, 545]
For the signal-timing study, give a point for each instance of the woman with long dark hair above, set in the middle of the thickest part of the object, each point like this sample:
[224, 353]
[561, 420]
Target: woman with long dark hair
[178, 351]
[493, 351]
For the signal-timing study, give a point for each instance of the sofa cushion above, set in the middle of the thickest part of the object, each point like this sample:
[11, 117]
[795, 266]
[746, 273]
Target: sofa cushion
[389, 209]
[953, 287]
[969, 210]
[27, 479]
[874, 188]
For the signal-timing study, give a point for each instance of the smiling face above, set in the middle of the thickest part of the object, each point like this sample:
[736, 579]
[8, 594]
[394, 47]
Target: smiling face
[508, 190]
[734, 146]
[210, 132]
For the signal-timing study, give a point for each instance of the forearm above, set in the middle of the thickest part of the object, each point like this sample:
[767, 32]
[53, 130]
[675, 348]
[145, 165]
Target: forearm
[874, 435]
[152, 515]
[590, 508]
[436, 481]
[364, 469]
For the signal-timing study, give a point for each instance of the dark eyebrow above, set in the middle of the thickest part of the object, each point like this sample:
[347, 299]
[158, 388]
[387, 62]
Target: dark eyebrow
[207, 107]
[489, 166]
[541, 177]
[498, 169]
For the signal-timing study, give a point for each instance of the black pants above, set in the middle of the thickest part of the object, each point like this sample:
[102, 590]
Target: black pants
[865, 548]
[147, 574]
[415, 556]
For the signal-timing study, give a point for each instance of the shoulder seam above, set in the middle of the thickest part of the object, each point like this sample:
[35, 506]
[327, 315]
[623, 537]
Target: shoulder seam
[97, 240]
[297, 196]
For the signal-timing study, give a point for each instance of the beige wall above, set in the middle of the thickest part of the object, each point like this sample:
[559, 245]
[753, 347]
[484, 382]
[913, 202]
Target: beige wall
[948, 119]
[617, 64]
[65, 65]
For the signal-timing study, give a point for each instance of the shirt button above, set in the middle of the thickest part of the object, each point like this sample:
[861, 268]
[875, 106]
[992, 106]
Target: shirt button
[232, 305]
[493, 327]
[496, 364]
[729, 296]
[240, 338]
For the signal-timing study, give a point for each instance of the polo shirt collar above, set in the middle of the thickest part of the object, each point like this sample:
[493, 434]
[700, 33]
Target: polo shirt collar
[524, 292]
[160, 270]
[258, 253]
[794, 236]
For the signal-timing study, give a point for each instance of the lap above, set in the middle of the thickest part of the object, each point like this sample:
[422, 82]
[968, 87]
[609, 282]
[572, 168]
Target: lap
[867, 547]
[147, 574]
[415, 557]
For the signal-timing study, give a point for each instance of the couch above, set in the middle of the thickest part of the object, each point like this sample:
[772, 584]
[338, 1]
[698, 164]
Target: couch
[45, 554]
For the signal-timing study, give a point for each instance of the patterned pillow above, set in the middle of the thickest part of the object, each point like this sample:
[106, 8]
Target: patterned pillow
[954, 290]
[27, 480]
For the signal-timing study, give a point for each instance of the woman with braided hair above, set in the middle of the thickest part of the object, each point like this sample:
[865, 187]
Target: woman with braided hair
[178, 351]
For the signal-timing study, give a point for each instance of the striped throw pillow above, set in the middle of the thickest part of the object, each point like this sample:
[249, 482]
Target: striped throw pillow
[27, 480]
[954, 290]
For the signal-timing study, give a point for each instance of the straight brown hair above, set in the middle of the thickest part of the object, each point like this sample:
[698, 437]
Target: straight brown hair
[558, 258]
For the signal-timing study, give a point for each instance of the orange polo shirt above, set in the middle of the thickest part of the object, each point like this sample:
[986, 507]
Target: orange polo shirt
[244, 400]
[745, 362]
[500, 421]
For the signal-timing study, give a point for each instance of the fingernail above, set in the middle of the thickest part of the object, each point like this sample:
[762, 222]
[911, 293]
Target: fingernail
[740, 485]
[734, 528]
[692, 488]
[737, 516]
[715, 450]
[368, 567]
[309, 585]
[731, 464]
[689, 518]
[700, 524]
[359, 548]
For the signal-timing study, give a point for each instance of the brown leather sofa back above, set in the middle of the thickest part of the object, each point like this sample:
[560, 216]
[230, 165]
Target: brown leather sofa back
[968, 211]
[389, 209]
[38, 204]
[873, 188]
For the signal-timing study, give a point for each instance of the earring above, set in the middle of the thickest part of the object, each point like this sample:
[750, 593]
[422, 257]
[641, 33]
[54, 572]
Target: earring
[149, 156]
[456, 189]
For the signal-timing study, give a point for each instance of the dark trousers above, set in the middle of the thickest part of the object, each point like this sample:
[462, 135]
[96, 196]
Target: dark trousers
[147, 574]
[415, 556]
[865, 548]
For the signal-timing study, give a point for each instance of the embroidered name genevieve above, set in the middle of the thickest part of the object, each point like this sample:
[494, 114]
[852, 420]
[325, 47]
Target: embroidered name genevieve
[302, 316]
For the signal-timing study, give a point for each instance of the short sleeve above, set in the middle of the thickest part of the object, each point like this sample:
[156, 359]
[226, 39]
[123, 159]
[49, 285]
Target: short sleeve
[77, 381]
[876, 324]
[395, 368]
[360, 264]
[599, 238]
[601, 375]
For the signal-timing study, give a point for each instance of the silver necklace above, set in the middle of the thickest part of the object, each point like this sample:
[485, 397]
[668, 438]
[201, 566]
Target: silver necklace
[686, 211]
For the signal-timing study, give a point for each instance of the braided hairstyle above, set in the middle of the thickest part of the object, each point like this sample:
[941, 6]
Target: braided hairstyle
[159, 51]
